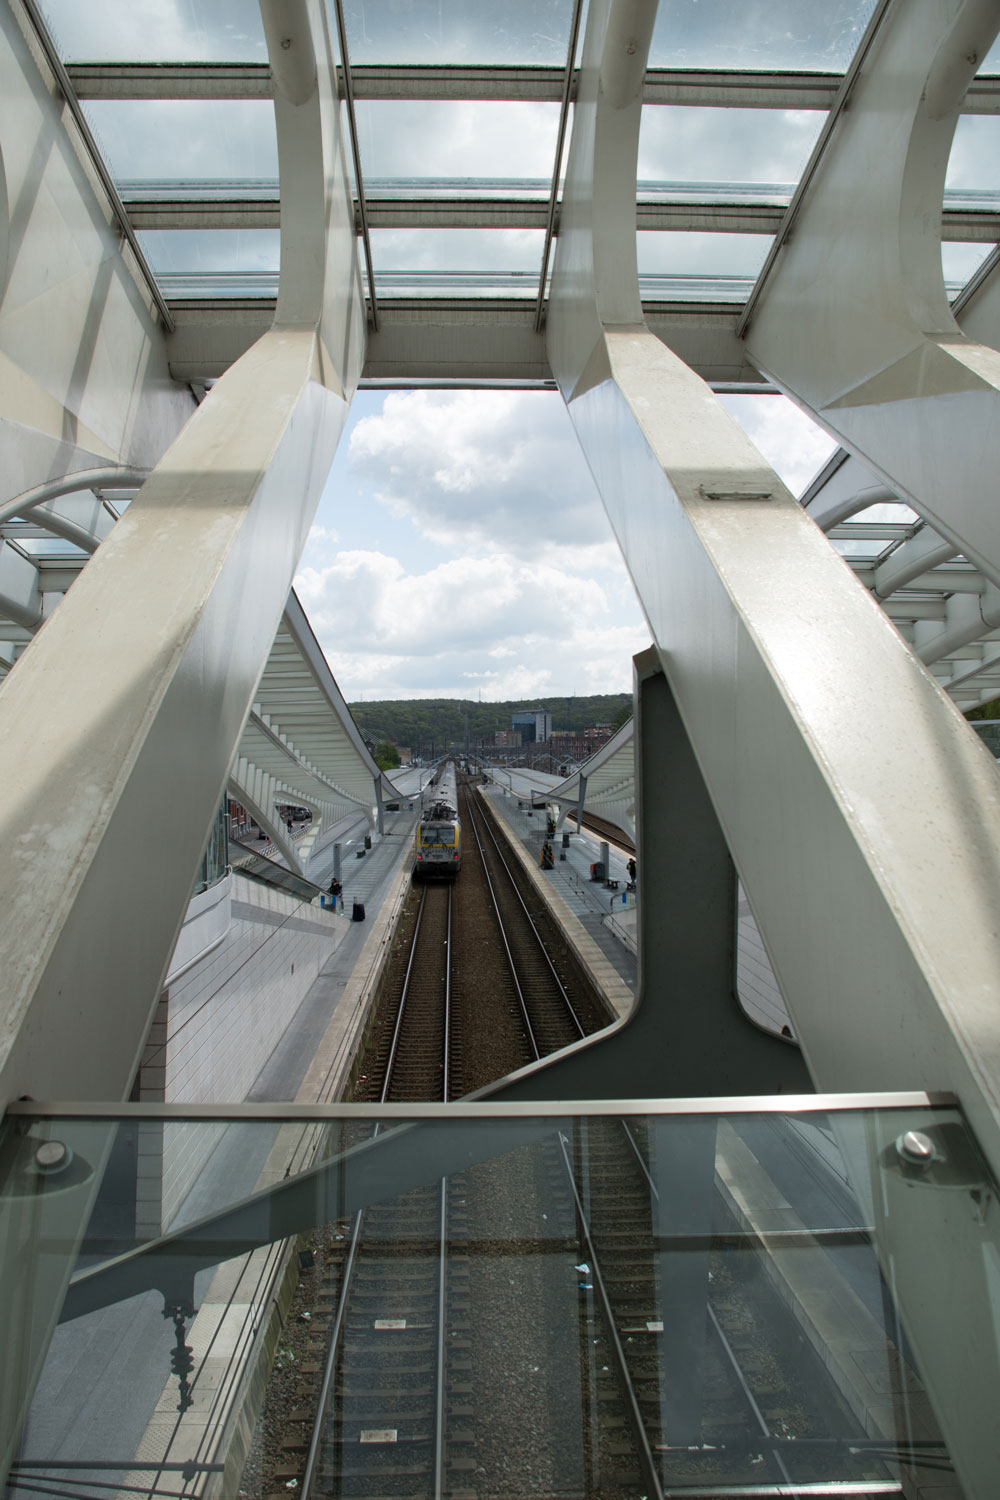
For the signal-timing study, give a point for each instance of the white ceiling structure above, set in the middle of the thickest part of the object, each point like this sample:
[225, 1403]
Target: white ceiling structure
[299, 744]
[192, 176]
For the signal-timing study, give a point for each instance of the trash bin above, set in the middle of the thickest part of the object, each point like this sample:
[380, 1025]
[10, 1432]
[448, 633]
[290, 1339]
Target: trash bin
[565, 840]
[358, 914]
[368, 840]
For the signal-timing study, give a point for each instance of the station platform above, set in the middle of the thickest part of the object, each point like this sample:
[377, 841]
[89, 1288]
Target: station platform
[610, 917]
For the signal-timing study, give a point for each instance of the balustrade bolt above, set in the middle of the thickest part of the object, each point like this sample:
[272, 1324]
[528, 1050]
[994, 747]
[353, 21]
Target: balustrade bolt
[915, 1148]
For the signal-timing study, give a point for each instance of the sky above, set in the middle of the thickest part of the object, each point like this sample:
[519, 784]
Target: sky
[461, 550]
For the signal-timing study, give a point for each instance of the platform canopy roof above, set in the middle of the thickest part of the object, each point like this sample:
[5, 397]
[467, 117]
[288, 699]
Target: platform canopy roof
[607, 781]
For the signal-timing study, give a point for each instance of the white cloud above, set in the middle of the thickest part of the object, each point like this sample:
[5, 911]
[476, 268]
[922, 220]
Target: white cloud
[498, 626]
[457, 138]
[689, 143]
[793, 444]
[158, 31]
[492, 470]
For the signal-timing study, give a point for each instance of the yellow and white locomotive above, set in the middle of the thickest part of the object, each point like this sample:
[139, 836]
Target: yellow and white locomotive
[438, 846]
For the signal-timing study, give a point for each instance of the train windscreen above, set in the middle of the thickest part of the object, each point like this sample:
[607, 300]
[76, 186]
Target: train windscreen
[438, 835]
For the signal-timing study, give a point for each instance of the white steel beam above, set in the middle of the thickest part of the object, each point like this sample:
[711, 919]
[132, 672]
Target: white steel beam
[910, 560]
[135, 694]
[854, 321]
[453, 339]
[678, 214]
[880, 924]
[696, 87]
[20, 595]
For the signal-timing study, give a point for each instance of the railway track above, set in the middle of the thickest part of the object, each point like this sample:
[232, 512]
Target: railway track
[551, 1017]
[512, 1329]
[397, 1377]
[484, 949]
[765, 1420]
[416, 1050]
[383, 1406]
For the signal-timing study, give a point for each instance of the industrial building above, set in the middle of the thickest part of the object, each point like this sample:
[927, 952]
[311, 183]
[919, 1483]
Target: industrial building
[172, 391]
[534, 724]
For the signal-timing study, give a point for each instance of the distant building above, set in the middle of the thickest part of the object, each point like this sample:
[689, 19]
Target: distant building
[535, 725]
[509, 739]
[569, 746]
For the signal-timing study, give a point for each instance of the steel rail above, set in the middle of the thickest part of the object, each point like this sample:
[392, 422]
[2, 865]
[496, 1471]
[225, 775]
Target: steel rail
[338, 1326]
[350, 1263]
[445, 1090]
[439, 1409]
[645, 1451]
[65, 86]
[402, 1001]
[751, 1399]
[727, 1348]
[550, 224]
[503, 938]
[345, 69]
[561, 987]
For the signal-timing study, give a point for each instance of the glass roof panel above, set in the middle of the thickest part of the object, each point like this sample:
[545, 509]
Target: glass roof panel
[817, 36]
[893, 511]
[972, 165]
[474, 262]
[960, 260]
[867, 550]
[991, 62]
[214, 262]
[694, 144]
[692, 253]
[157, 31]
[458, 31]
[146, 140]
[469, 142]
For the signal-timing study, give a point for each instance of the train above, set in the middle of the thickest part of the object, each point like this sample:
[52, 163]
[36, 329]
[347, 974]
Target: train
[438, 839]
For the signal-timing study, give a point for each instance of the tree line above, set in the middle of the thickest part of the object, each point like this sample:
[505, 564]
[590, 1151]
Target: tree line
[432, 724]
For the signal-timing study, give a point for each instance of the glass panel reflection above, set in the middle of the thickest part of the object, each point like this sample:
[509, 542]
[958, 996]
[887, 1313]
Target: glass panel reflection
[703, 144]
[569, 1305]
[412, 262]
[214, 262]
[146, 140]
[807, 35]
[669, 252]
[960, 261]
[471, 140]
[972, 163]
[458, 31]
[157, 31]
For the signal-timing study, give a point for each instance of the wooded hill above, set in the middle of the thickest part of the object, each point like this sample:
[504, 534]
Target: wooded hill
[422, 723]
